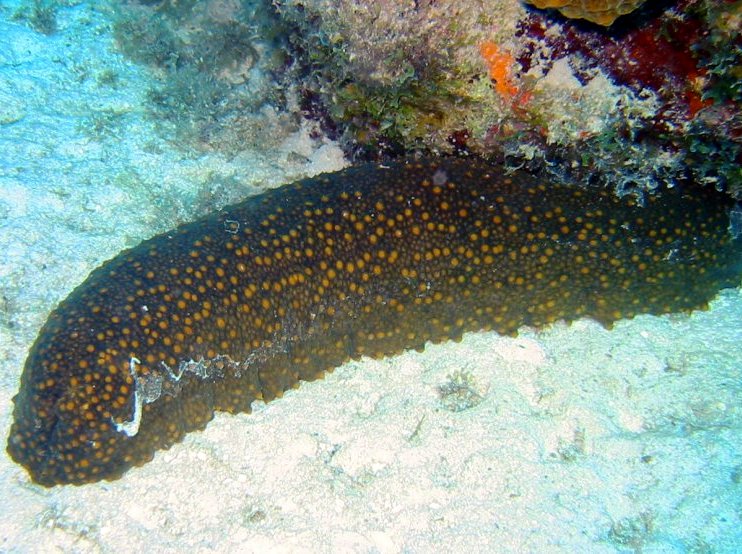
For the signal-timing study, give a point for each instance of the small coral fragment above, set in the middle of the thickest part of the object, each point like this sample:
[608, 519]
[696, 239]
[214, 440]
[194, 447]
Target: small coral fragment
[602, 12]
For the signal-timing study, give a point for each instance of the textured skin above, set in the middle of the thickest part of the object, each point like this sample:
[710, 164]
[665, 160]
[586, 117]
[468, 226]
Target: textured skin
[602, 12]
[372, 260]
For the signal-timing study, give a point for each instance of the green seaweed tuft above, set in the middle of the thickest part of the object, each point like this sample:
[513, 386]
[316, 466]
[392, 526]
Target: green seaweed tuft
[39, 15]
[460, 391]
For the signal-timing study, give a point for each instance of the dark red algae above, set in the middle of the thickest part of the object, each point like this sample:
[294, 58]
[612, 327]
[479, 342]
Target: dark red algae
[652, 49]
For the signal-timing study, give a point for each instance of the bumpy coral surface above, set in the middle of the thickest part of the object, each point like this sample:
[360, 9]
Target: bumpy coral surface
[603, 12]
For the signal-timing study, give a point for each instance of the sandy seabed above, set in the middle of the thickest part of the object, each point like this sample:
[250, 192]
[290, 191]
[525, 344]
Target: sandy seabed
[577, 438]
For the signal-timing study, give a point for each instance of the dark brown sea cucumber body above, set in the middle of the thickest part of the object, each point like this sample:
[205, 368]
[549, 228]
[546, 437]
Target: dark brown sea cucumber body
[373, 260]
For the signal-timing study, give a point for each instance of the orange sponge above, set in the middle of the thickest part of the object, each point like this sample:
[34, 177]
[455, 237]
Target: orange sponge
[500, 65]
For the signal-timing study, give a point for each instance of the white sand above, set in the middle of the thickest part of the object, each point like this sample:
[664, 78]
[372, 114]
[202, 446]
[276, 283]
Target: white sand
[585, 440]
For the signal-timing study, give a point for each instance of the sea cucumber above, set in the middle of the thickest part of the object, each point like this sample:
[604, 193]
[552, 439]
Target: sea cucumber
[247, 302]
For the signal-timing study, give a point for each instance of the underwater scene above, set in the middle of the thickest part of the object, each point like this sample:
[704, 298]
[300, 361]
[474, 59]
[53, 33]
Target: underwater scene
[371, 276]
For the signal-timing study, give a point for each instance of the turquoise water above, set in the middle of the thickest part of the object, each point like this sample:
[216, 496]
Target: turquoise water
[585, 439]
